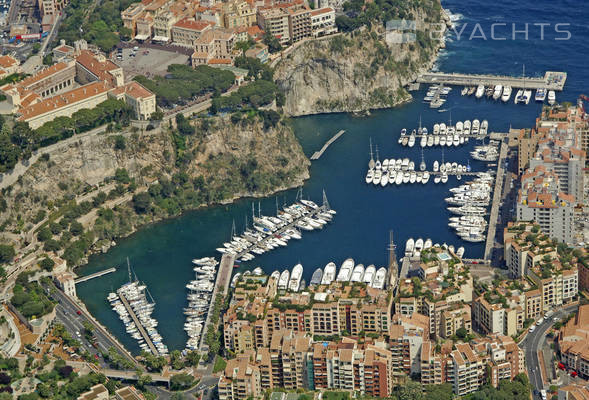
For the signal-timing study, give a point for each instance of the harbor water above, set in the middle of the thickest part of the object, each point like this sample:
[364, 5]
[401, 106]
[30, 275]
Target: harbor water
[161, 254]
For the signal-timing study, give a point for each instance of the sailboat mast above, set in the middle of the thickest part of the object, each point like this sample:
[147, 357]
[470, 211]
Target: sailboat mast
[129, 269]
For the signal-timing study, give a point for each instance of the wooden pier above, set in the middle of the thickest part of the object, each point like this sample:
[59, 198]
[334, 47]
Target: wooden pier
[95, 275]
[319, 153]
[551, 80]
[138, 324]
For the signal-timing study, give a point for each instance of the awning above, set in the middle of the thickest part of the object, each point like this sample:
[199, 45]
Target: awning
[161, 38]
[141, 37]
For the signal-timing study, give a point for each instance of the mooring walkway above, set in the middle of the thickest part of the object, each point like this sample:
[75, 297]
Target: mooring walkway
[319, 153]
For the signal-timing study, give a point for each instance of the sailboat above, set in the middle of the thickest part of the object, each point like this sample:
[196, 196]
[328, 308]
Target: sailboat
[371, 162]
[422, 165]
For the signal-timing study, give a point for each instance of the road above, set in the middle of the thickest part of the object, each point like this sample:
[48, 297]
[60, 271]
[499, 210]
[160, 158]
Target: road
[70, 312]
[532, 343]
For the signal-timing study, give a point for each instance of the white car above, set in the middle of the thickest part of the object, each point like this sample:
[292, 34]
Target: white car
[532, 328]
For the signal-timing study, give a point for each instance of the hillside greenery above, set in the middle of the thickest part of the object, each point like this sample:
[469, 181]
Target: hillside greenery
[99, 25]
[183, 83]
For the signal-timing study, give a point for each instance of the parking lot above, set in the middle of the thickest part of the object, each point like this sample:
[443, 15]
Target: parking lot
[148, 61]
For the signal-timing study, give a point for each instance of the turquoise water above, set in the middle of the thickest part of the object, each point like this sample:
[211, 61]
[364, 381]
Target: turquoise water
[160, 254]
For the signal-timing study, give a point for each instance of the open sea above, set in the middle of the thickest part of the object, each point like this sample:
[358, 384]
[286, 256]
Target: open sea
[161, 254]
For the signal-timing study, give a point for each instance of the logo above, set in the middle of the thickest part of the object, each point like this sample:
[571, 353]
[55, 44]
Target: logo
[396, 31]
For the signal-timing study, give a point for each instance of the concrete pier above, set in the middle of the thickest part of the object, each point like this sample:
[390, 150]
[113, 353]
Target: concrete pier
[138, 324]
[496, 200]
[319, 153]
[95, 275]
[221, 287]
[552, 80]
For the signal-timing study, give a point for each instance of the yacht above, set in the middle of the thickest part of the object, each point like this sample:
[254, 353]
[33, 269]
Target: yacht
[484, 127]
[551, 97]
[436, 129]
[467, 126]
[409, 246]
[370, 176]
[437, 179]
[480, 91]
[357, 273]
[460, 252]
[377, 176]
[497, 92]
[283, 281]
[369, 273]
[295, 278]
[527, 96]
[328, 274]
[459, 127]
[519, 97]
[436, 140]
[425, 177]
[399, 178]
[427, 244]
[384, 180]
[442, 129]
[379, 278]
[436, 166]
[506, 94]
[475, 127]
[316, 278]
[418, 246]
[430, 141]
[423, 141]
[345, 272]
[444, 178]
[541, 95]
[411, 140]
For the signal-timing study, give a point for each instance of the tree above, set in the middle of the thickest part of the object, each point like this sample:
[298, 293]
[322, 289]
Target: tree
[272, 42]
[181, 381]
[76, 228]
[47, 264]
[7, 253]
[122, 176]
[44, 234]
[461, 333]
[120, 142]
[157, 115]
[142, 203]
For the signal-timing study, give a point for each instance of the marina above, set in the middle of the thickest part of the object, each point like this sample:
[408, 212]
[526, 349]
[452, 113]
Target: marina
[131, 304]
[270, 232]
[551, 80]
[494, 214]
[445, 135]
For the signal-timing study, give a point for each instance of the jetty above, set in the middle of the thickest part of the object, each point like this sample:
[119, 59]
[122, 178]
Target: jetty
[95, 275]
[319, 153]
[552, 80]
[497, 192]
[138, 324]
[221, 287]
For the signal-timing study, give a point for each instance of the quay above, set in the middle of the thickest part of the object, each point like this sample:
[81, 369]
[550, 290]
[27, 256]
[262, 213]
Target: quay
[95, 275]
[494, 215]
[221, 287]
[319, 153]
[138, 324]
[552, 80]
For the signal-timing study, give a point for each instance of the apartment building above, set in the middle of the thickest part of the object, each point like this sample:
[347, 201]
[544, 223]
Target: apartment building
[406, 337]
[186, 31]
[542, 200]
[454, 319]
[214, 46]
[503, 357]
[573, 391]
[433, 366]
[573, 342]
[275, 22]
[527, 143]
[8, 66]
[240, 380]
[525, 247]
[323, 22]
[466, 371]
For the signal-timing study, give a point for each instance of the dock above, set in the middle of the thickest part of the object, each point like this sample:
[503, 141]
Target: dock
[138, 324]
[221, 287]
[552, 80]
[494, 215]
[95, 275]
[319, 153]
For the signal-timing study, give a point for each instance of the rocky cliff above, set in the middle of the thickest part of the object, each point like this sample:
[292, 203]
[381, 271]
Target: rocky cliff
[354, 71]
[228, 159]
